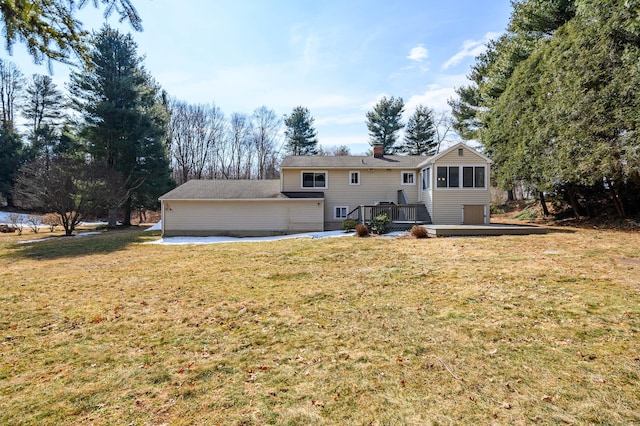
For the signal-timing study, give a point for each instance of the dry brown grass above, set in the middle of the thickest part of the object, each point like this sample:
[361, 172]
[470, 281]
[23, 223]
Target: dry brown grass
[506, 330]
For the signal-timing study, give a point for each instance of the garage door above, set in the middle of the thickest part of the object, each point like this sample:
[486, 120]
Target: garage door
[473, 214]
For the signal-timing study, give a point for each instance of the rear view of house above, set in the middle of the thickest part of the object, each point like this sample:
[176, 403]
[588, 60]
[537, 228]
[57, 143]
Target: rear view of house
[316, 193]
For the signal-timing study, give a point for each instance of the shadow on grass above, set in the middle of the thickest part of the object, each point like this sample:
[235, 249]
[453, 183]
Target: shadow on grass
[108, 241]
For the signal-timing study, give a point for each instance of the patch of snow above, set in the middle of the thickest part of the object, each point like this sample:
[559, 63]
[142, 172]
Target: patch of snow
[4, 218]
[156, 227]
[217, 240]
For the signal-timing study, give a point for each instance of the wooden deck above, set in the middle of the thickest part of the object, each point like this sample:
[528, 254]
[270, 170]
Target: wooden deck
[479, 230]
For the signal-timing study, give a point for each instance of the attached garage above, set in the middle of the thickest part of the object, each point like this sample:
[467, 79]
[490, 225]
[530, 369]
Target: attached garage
[238, 208]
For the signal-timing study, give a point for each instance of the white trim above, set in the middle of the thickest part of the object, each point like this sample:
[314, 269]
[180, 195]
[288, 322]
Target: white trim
[413, 179]
[326, 179]
[431, 160]
[335, 210]
[359, 176]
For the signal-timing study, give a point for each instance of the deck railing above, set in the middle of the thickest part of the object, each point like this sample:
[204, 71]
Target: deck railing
[406, 213]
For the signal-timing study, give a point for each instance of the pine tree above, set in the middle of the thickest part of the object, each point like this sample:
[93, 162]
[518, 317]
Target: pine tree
[125, 123]
[384, 123]
[43, 109]
[300, 134]
[420, 135]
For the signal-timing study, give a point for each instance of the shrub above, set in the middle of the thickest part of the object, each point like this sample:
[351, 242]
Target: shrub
[527, 214]
[379, 223]
[34, 223]
[348, 224]
[419, 231]
[51, 220]
[17, 222]
[362, 230]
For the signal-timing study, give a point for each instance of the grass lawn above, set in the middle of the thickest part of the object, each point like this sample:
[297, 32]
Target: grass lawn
[505, 330]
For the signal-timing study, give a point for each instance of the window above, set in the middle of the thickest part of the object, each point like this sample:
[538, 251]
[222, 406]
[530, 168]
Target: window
[460, 152]
[314, 180]
[473, 177]
[442, 177]
[426, 178]
[408, 178]
[340, 212]
[354, 178]
[479, 177]
[467, 177]
[454, 177]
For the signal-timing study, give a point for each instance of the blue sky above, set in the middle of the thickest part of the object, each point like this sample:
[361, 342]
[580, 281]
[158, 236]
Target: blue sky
[336, 58]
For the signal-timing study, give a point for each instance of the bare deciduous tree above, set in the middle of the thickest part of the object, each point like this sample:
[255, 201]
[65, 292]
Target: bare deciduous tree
[195, 132]
[266, 126]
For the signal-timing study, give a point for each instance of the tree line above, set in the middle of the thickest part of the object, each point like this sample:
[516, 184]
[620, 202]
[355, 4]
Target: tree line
[554, 101]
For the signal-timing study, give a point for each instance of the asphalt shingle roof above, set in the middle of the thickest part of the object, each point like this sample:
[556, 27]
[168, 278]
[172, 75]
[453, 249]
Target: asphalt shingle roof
[352, 162]
[225, 190]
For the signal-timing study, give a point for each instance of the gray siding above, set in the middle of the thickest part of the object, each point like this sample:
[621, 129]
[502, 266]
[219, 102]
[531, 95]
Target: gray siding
[447, 204]
[241, 218]
[375, 185]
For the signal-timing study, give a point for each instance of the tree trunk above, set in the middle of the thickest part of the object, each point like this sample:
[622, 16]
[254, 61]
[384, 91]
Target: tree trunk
[543, 203]
[510, 194]
[126, 221]
[113, 217]
[573, 201]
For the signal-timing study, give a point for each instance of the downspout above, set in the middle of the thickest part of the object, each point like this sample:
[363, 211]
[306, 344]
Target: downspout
[162, 217]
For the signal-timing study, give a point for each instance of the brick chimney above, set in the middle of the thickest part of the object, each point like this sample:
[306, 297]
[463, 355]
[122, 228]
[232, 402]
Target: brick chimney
[378, 150]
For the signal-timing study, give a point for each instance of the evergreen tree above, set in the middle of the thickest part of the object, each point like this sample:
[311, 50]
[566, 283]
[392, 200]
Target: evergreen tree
[11, 146]
[300, 133]
[420, 135]
[384, 122]
[43, 109]
[50, 29]
[10, 160]
[124, 120]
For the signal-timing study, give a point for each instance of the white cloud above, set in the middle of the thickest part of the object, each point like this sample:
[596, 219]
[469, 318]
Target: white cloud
[436, 95]
[470, 48]
[418, 53]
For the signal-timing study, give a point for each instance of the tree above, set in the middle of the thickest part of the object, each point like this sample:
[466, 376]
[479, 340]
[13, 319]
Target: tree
[300, 133]
[49, 28]
[10, 160]
[123, 118]
[420, 134]
[384, 122]
[334, 151]
[43, 108]
[195, 133]
[70, 188]
[265, 125]
[11, 146]
[11, 86]
[565, 117]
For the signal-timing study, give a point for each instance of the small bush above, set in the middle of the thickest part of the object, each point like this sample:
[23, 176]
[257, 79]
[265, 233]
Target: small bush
[362, 230]
[17, 222]
[527, 214]
[51, 220]
[419, 231]
[34, 223]
[349, 224]
[379, 223]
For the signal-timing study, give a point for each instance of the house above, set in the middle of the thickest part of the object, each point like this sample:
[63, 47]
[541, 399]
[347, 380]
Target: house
[316, 193]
